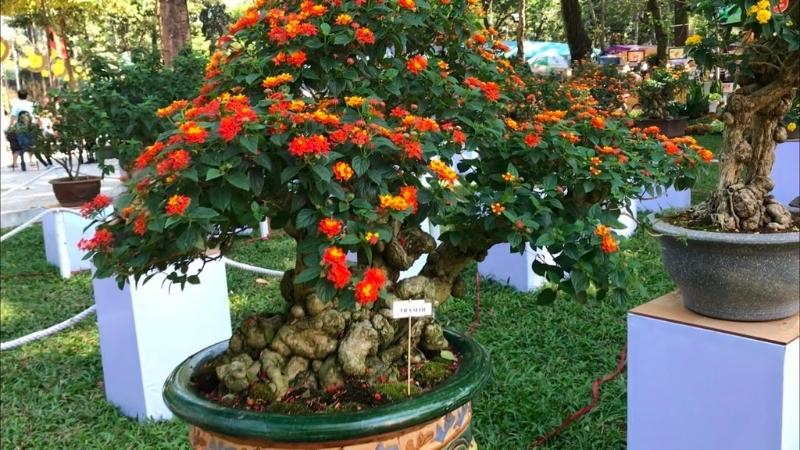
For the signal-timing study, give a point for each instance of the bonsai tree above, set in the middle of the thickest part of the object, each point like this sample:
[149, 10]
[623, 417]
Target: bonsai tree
[340, 122]
[767, 73]
[657, 92]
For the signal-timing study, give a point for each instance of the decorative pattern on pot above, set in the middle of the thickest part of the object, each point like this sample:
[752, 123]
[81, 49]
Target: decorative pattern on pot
[453, 431]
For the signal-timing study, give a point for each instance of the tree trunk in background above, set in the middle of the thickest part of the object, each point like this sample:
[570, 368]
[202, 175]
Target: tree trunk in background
[658, 28]
[174, 18]
[487, 13]
[579, 45]
[521, 32]
[681, 28]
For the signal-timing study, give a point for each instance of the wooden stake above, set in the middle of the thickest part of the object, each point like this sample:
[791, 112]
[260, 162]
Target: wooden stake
[408, 375]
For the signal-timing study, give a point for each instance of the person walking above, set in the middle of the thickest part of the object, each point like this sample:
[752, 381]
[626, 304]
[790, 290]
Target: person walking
[21, 133]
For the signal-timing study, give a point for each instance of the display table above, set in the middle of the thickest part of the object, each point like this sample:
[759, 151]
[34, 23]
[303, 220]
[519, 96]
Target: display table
[697, 383]
[146, 330]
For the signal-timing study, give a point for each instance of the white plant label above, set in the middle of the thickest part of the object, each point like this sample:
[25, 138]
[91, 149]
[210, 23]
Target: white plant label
[411, 308]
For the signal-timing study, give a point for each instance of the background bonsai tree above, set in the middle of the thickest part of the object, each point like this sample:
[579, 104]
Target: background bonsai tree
[657, 92]
[339, 122]
[767, 72]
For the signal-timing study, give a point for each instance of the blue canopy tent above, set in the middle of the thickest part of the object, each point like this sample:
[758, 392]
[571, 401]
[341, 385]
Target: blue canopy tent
[546, 55]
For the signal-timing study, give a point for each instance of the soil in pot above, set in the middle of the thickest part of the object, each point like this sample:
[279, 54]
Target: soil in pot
[307, 394]
[75, 191]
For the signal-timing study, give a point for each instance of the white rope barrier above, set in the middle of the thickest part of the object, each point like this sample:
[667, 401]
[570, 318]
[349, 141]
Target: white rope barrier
[16, 188]
[256, 269]
[47, 331]
[35, 219]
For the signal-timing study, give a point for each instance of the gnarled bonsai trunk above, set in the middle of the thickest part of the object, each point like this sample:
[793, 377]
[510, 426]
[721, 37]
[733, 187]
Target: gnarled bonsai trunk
[314, 346]
[742, 200]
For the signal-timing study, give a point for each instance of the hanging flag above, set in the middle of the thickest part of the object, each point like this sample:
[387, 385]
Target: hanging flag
[57, 47]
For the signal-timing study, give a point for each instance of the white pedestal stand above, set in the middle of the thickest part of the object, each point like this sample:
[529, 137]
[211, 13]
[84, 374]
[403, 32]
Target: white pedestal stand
[669, 199]
[786, 171]
[147, 330]
[62, 231]
[696, 383]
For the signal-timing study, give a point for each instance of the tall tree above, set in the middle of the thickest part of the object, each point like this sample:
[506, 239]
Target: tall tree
[521, 31]
[579, 44]
[681, 21]
[174, 18]
[658, 29]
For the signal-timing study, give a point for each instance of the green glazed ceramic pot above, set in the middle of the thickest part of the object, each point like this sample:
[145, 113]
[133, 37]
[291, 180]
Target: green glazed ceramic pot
[438, 419]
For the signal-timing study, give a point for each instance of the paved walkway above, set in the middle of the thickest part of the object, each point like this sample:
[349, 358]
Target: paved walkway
[18, 204]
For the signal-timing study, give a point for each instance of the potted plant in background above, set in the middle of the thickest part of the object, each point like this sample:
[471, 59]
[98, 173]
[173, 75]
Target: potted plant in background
[338, 122]
[657, 99]
[736, 256]
[65, 144]
[713, 101]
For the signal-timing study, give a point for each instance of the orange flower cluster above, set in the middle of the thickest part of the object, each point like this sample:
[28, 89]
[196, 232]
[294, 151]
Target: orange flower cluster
[101, 240]
[443, 171]
[330, 227]
[459, 137]
[174, 162]
[365, 36]
[371, 237]
[277, 80]
[95, 205]
[594, 168]
[509, 177]
[498, 208]
[231, 125]
[343, 19]
[417, 64]
[285, 27]
[333, 259]
[296, 58]
[407, 4]
[177, 204]
[532, 140]
[342, 171]
[193, 133]
[368, 289]
[315, 144]
[149, 153]
[490, 89]
[406, 199]
[607, 243]
[571, 137]
[354, 102]
[169, 111]
[248, 19]
[550, 116]
[598, 122]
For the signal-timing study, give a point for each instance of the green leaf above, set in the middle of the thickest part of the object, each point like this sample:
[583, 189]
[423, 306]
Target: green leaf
[289, 173]
[256, 182]
[213, 173]
[325, 290]
[546, 297]
[350, 239]
[448, 355]
[323, 172]
[312, 273]
[325, 29]
[305, 218]
[239, 179]
[342, 38]
[220, 198]
[203, 213]
[249, 142]
[360, 165]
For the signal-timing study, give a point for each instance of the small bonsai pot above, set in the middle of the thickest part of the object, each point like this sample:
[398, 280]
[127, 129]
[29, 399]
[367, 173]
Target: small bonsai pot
[75, 191]
[670, 127]
[439, 418]
[733, 276]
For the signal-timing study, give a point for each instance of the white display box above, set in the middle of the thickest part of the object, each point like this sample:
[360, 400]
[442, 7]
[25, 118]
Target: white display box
[670, 198]
[697, 383]
[514, 269]
[62, 231]
[786, 171]
[147, 330]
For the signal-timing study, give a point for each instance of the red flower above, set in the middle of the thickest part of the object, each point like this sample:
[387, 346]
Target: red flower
[316, 144]
[193, 133]
[330, 227]
[95, 205]
[598, 122]
[229, 127]
[333, 255]
[671, 148]
[608, 245]
[339, 275]
[417, 64]
[174, 162]
[532, 140]
[409, 194]
[459, 137]
[148, 154]
[366, 292]
[491, 91]
[407, 4]
[101, 240]
[140, 225]
[297, 58]
[375, 276]
[413, 149]
[365, 36]
[177, 204]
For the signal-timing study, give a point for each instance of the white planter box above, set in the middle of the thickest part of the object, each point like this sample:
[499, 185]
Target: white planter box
[514, 269]
[147, 330]
[62, 231]
[696, 383]
[786, 171]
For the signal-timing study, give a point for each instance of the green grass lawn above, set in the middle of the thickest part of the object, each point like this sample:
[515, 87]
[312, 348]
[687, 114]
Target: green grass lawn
[544, 358]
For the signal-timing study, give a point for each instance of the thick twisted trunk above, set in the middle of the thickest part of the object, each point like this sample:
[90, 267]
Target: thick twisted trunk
[315, 346]
[742, 200]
